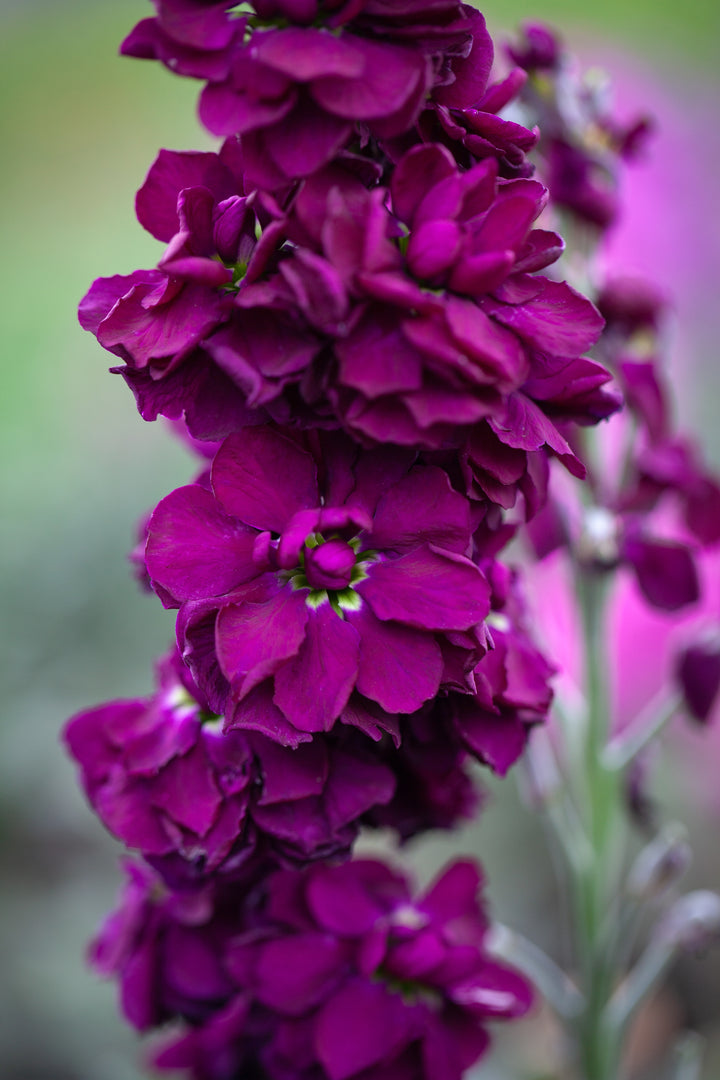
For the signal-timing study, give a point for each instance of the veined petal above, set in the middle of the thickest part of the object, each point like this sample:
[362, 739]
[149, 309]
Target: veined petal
[264, 478]
[254, 639]
[399, 667]
[428, 588]
[313, 688]
[194, 550]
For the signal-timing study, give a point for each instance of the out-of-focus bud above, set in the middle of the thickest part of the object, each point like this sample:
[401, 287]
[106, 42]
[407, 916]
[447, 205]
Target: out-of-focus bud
[693, 922]
[698, 673]
[599, 541]
[538, 49]
[665, 570]
[660, 864]
[641, 806]
[630, 304]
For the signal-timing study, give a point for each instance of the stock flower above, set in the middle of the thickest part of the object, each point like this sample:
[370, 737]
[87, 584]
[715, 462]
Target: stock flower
[331, 972]
[581, 145]
[438, 329]
[295, 80]
[157, 321]
[195, 802]
[306, 576]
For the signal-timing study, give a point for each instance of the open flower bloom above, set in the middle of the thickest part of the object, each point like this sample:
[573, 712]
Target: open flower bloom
[432, 314]
[220, 239]
[333, 972]
[408, 315]
[297, 82]
[195, 802]
[317, 581]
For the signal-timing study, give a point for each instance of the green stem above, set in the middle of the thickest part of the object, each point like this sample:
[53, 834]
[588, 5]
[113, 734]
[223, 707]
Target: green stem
[594, 887]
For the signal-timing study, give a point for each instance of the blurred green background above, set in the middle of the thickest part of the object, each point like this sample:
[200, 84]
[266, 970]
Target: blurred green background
[79, 128]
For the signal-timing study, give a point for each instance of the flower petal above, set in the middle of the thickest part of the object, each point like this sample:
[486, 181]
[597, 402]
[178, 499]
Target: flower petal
[263, 478]
[428, 588]
[194, 550]
[313, 688]
[400, 667]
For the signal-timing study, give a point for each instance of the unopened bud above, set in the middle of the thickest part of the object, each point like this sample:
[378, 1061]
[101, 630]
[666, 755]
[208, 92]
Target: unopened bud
[698, 672]
[693, 922]
[660, 864]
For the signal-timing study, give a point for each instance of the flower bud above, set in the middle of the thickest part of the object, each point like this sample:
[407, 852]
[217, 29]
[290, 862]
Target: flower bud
[660, 864]
[698, 672]
[539, 49]
[693, 922]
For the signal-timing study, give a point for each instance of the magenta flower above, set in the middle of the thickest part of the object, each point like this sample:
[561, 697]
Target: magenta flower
[332, 972]
[581, 145]
[157, 321]
[305, 586]
[432, 332]
[166, 781]
[296, 80]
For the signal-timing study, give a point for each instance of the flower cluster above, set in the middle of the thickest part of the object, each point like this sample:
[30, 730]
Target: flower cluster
[655, 502]
[352, 325]
[332, 972]
[582, 144]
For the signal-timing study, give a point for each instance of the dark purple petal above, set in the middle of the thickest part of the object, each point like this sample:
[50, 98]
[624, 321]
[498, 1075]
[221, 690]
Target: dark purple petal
[665, 571]
[422, 508]
[172, 171]
[225, 111]
[104, 293]
[188, 793]
[698, 672]
[497, 740]
[254, 639]
[258, 712]
[194, 550]
[554, 318]
[304, 55]
[429, 589]
[298, 973]
[350, 899]
[287, 776]
[399, 667]
[363, 1024]
[454, 894]
[495, 992]
[356, 785]
[204, 25]
[471, 72]
[155, 322]
[263, 478]
[390, 76]
[313, 688]
[377, 359]
[417, 172]
[305, 140]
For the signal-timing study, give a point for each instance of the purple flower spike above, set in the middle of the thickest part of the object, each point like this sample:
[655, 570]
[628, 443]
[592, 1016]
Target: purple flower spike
[360, 582]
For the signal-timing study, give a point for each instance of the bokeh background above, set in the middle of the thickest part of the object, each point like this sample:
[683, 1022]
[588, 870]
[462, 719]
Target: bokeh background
[78, 129]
